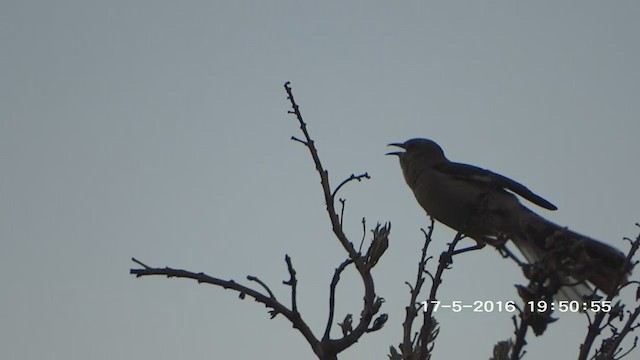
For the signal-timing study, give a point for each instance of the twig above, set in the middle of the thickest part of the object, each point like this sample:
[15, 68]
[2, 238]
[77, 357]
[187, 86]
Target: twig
[521, 334]
[269, 301]
[350, 178]
[255, 278]
[342, 205]
[633, 346]
[406, 347]
[628, 327]
[364, 234]
[332, 296]
[139, 263]
[595, 327]
[428, 321]
[293, 282]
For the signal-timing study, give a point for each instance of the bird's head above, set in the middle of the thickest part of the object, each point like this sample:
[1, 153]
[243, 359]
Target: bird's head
[423, 150]
[418, 154]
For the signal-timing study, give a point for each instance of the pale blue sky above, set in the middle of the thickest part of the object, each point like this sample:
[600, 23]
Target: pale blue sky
[158, 129]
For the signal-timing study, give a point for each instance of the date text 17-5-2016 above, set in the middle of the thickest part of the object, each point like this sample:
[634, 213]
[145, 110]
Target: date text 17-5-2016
[540, 306]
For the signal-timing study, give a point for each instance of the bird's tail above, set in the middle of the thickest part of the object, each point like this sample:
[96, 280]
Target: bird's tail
[575, 259]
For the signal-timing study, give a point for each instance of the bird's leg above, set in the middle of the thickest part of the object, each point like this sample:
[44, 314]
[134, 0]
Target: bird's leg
[507, 253]
[499, 243]
[477, 246]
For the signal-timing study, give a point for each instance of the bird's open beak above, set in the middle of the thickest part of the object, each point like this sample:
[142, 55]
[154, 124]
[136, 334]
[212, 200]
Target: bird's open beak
[398, 153]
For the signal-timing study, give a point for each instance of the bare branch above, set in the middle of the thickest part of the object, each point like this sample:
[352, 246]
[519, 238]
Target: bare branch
[268, 301]
[295, 138]
[293, 282]
[364, 234]
[350, 178]
[370, 306]
[139, 263]
[332, 296]
[521, 334]
[336, 346]
[342, 206]
[429, 323]
[255, 278]
[595, 328]
[411, 311]
[616, 340]
[633, 346]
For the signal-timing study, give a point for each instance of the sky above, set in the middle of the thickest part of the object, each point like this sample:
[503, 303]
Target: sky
[159, 130]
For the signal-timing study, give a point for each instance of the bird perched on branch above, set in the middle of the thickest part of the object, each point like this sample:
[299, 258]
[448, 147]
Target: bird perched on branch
[483, 205]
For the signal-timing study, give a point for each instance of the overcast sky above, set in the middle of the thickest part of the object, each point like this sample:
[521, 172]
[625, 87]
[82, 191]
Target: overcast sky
[158, 129]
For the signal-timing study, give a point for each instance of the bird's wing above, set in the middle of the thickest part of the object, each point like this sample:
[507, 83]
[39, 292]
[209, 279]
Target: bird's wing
[491, 179]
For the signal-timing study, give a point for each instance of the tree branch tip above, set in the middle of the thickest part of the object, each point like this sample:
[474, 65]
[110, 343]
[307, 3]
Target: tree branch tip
[289, 264]
[300, 141]
[140, 263]
[433, 278]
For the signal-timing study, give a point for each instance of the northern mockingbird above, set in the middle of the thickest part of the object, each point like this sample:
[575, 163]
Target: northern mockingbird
[483, 205]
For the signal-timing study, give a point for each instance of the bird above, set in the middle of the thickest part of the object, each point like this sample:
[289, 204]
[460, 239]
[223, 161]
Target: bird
[485, 206]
